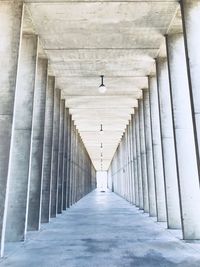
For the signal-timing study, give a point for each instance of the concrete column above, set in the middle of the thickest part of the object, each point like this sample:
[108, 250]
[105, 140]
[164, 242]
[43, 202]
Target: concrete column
[170, 168]
[79, 170]
[130, 164]
[11, 15]
[69, 162]
[149, 151]
[47, 151]
[65, 159]
[135, 161]
[113, 178]
[120, 171]
[185, 141]
[132, 160]
[37, 137]
[157, 151]
[190, 10]
[125, 164]
[75, 166]
[16, 219]
[139, 170]
[117, 187]
[60, 159]
[123, 167]
[143, 157]
[55, 147]
[72, 165]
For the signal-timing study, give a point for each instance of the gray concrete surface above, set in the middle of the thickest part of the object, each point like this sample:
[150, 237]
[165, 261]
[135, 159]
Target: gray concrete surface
[47, 151]
[143, 156]
[168, 146]
[84, 39]
[149, 156]
[36, 154]
[157, 150]
[12, 15]
[18, 170]
[135, 163]
[103, 230]
[54, 157]
[191, 14]
[139, 170]
[184, 133]
[60, 158]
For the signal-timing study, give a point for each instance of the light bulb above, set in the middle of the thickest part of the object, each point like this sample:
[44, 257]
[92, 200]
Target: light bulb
[101, 132]
[102, 89]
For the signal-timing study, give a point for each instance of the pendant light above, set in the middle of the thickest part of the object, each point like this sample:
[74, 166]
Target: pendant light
[102, 87]
[101, 129]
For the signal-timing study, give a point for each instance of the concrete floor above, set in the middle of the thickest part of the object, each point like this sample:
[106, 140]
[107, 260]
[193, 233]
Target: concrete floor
[103, 230]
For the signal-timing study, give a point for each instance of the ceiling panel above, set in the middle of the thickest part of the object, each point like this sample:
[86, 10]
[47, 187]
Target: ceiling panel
[86, 39]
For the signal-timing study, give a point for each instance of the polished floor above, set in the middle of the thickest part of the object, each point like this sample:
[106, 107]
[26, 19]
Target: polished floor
[103, 230]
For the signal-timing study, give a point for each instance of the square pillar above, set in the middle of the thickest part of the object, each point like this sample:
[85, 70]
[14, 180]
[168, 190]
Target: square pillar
[69, 162]
[37, 137]
[143, 156]
[11, 14]
[139, 170]
[149, 151]
[18, 182]
[168, 145]
[135, 161]
[190, 11]
[47, 151]
[54, 158]
[65, 157]
[157, 151]
[185, 138]
[60, 158]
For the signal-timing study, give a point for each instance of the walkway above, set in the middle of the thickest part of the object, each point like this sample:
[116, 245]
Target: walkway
[103, 230]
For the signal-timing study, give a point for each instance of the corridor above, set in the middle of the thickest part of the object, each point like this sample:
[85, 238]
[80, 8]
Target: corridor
[103, 230]
[91, 87]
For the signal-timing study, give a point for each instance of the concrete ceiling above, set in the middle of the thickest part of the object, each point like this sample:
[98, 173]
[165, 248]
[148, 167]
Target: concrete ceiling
[86, 39]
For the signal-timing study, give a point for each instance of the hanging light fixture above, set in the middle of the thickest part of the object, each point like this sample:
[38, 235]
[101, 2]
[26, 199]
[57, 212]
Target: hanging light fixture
[102, 87]
[101, 129]
[101, 147]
